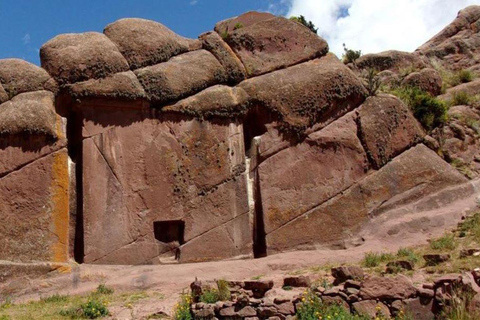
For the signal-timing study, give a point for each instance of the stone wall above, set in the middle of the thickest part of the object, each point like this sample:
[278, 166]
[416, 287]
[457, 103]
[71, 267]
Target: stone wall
[187, 150]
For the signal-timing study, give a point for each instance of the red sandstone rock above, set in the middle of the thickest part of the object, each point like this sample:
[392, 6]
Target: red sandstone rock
[456, 46]
[308, 93]
[233, 66]
[371, 308]
[384, 288]
[293, 180]
[427, 79]
[3, 95]
[387, 128]
[70, 58]
[18, 76]
[421, 309]
[225, 27]
[181, 76]
[273, 44]
[145, 42]
[344, 273]
[390, 60]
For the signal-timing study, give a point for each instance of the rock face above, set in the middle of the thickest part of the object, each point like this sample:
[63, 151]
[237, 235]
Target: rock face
[181, 150]
[457, 45]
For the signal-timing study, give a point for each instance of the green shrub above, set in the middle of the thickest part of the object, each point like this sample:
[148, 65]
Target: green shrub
[182, 308]
[371, 81]
[461, 98]
[238, 25]
[429, 111]
[349, 55]
[408, 254]
[92, 309]
[446, 242]
[212, 295]
[464, 76]
[55, 298]
[373, 259]
[103, 289]
[309, 24]
[223, 290]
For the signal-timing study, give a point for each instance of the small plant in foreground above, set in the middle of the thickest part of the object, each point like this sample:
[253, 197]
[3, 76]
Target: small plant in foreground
[182, 308]
[223, 290]
[209, 295]
[458, 307]
[408, 254]
[54, 298]
[446, 242]
[92, 309]
[461, 98]
[372, 81]
[373, 259]
[103, 289]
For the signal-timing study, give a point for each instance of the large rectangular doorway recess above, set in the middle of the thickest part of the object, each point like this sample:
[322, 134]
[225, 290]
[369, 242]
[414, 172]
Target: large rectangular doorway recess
[169, 231]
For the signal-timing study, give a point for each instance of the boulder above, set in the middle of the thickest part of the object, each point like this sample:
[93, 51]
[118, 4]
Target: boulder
[181, 76]
[300, 281]
[273, 44]
[30, 113]
[293, 181]
[403, 180]
[225, 27]
[390, 60]
[234, 68]
[344, 273]
[123, 85]
[386, 288]
[470, 88]
[417, 308]
[217, 101]
[427, 79]
[71, 58]
[434, 259]
[3, 95]
[371, 308]
[456, 46]
[395, 266]
[18, 76]
[145, 42]
[308, 93]
[387, 128]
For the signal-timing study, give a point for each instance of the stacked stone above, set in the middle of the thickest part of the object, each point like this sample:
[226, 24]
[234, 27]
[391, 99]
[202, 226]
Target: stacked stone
[352, 289]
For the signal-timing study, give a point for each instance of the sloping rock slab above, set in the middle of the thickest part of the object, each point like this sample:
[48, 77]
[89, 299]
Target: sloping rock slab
[390, 60]
[409, 177]
[273, 44]
[242, 21]
[145, 42]
[305, 94]
[71, 58]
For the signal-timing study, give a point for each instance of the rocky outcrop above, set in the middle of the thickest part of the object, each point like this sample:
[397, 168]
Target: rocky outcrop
[456, 46]
[181, 150]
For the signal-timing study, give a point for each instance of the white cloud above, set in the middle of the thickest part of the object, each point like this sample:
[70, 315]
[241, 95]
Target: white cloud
[26, 39]
[193, 2]
[378, 25]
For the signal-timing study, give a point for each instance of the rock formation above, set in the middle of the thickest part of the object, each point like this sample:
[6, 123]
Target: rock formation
[137, 146]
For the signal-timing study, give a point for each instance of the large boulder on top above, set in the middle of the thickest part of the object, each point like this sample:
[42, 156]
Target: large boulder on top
[387, 128]
[29, 113]
[71, 58]
[217, 101]
[410, 176]
[274, 44]
[145, 42]
[307, 93]
[457, 45]
[181, 76]
[390, 60]
[123, 85]
[17, 76]
[233, 66]
[427, 79]
[242, 21]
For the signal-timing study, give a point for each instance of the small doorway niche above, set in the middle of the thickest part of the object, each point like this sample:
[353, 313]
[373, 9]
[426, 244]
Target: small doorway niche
[169, 231]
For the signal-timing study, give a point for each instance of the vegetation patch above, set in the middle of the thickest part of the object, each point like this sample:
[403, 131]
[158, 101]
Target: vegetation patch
[309, 24]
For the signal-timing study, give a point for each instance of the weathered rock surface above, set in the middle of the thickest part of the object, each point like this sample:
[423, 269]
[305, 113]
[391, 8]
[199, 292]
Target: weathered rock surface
[181, 76]
[145, 42]
[390, 60]
[120, 85]
[224, 27]
[387, 128]
[30, 113]
[273, 44]
[311, 92]
[402, 180]
[456, 46]
[470, 88]
[427, 79]
[384, 288]
[371, 308]
[3, 95]
[18, 76]
[233, 66]
[71, 58]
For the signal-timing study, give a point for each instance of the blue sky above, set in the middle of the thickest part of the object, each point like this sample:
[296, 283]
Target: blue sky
[27, 24]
